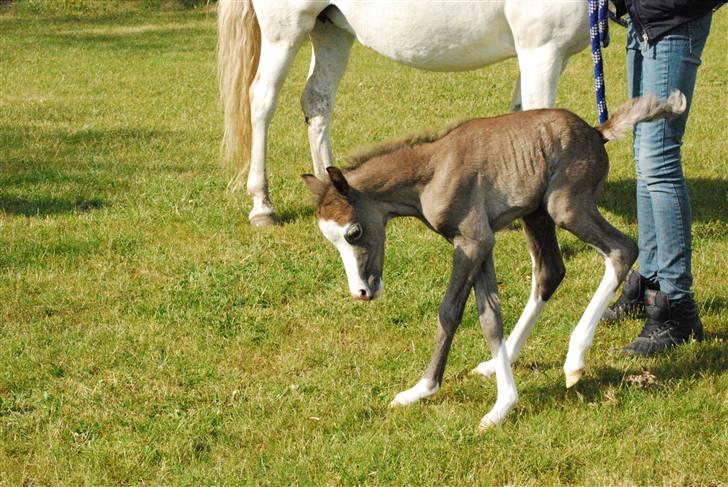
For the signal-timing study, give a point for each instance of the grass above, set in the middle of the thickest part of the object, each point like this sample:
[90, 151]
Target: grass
[149, 335]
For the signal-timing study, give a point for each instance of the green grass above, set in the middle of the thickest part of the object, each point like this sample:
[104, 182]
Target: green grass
[149, 335]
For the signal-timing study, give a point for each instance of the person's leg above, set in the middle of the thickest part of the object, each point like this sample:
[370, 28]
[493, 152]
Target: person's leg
[669, 64]
[646, 229]
[631, 301]
[665, 233]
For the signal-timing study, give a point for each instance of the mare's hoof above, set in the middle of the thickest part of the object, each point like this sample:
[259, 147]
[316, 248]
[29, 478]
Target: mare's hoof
[265, 220]
[572, 377]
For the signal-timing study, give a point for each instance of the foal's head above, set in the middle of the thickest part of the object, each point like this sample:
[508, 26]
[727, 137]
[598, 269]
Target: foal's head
[352, 223]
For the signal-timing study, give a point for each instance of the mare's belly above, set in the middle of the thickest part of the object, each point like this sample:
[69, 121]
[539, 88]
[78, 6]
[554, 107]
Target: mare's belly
[438, 36]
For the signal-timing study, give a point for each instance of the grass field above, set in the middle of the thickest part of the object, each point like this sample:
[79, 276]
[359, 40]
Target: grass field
[149, 335]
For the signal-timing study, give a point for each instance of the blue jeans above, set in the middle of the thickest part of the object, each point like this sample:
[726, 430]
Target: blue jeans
[663, 206]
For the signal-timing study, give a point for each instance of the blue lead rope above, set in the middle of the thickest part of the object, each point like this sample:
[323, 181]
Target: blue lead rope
[599, 35]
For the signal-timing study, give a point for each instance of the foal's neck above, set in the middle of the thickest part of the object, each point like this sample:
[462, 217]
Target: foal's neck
[394, 180]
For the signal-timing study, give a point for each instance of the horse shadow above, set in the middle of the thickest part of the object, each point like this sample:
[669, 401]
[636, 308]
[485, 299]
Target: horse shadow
[296, 213]
[684, 363]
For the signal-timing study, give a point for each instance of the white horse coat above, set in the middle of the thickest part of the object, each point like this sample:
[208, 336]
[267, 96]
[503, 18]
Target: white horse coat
[258, 40]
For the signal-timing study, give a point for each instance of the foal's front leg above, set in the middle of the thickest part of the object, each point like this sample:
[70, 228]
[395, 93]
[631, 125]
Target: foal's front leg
[466, 263]
[486, 294]
[547, 272]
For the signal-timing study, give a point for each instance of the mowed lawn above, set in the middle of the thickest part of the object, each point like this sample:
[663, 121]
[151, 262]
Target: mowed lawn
[149, 335]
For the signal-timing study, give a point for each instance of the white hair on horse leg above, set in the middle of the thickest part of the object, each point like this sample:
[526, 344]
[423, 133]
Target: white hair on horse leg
[583, 334]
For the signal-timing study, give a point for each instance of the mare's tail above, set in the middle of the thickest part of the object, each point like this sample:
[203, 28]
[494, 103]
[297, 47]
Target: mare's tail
[238, 54]
[642, 109]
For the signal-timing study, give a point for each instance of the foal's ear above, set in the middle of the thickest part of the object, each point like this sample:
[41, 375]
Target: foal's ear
[314, 184]
[338, 180]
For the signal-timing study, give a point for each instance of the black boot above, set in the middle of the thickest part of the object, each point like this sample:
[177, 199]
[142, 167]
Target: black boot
[669, 323]
[632, 301]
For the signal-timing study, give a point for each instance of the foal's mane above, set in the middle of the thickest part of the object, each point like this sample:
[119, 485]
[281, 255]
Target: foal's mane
[362, 154]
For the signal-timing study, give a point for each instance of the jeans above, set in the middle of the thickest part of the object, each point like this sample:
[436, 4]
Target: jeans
[663, 206]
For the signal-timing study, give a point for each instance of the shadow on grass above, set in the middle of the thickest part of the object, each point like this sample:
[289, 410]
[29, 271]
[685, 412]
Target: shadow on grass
[696, 360]
[708, 358]
[75, 169]
[44, 205]
[292, 215]
[708, 198]
[712, 305]
[92, 141]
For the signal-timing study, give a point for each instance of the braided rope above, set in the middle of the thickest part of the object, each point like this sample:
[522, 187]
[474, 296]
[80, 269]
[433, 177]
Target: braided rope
[599, 35]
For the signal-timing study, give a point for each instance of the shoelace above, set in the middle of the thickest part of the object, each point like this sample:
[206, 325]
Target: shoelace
[652, 328]
[660, 328]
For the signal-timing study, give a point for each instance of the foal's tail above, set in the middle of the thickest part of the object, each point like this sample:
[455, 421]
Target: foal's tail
[238, 54]
[642, 109]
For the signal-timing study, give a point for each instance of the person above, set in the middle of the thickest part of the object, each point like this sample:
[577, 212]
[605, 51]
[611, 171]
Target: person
[665, 40]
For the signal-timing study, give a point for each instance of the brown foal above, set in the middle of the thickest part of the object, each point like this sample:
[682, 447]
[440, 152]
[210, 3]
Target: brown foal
[544, 166]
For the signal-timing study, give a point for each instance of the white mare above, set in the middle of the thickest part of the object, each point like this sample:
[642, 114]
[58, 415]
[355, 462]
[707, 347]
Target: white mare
[258, 40]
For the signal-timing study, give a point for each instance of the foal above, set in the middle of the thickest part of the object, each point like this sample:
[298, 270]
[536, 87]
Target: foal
[544, 166]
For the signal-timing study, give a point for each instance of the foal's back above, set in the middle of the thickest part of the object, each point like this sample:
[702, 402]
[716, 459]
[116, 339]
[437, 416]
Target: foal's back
[507, 164]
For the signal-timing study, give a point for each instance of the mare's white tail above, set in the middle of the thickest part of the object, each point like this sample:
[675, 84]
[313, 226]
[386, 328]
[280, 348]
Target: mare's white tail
[642, 109]
[238, 53]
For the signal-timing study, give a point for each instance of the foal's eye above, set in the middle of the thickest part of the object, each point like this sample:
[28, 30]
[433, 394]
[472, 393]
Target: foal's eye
[353, 233]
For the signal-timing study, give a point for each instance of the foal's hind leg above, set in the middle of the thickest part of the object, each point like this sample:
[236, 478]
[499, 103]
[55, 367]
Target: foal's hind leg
[486, 294]
[619, 252]
[275, 59]
[331, 47]
[547, 273]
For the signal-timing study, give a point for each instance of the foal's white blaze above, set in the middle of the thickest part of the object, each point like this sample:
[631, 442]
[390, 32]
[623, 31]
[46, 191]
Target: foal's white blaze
[334, 233]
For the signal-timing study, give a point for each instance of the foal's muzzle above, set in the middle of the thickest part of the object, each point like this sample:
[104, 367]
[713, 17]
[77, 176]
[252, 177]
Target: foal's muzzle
[371, 291]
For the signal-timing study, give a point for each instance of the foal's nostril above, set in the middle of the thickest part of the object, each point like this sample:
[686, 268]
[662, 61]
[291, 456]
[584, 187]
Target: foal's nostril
[362, 293]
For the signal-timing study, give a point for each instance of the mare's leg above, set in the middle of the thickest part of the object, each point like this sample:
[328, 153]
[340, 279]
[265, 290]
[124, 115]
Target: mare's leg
[582, 218]
[331, 47]
[547, 273]
[540, 71]
[275, 59]
[544, 35]
[516, 105]
[486, 294]
[467, 260]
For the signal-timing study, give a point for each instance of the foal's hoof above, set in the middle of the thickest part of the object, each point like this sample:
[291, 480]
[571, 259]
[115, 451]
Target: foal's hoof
[265, 220]
[420, 391]
[572, 377]
[486, 424]
[484, 369]
[402, 399]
